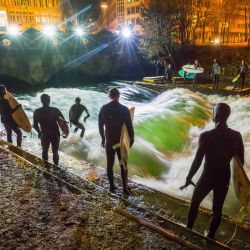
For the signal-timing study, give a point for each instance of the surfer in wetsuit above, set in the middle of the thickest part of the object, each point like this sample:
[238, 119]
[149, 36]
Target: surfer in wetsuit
[45, 123]
[7, 119]
[75, 113]
[111, 117]
[218, 146]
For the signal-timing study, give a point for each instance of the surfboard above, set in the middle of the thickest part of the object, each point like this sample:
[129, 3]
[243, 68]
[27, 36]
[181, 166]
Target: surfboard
[191, 69]
[19, 115]
[236, 78]
[241, 185]
[124, 144]
[186, 75]
[63, 125]
[154, 79]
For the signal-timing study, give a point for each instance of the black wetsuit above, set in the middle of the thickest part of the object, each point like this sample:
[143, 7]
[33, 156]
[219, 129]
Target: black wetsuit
[168, 75]
[218, 146]
[47, 117]
[112, 116]
[8, 121]
[75, 113]
[243, 72]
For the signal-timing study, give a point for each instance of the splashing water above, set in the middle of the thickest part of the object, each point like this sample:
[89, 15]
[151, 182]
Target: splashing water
[167, 128]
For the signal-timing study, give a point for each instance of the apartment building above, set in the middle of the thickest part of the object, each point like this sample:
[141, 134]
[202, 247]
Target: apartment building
[212, 20]
[27, 13]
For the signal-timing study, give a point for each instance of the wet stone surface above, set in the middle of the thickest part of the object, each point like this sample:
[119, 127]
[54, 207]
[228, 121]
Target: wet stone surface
[37, 213]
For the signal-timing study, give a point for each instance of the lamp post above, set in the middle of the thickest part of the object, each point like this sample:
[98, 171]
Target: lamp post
[104, 7]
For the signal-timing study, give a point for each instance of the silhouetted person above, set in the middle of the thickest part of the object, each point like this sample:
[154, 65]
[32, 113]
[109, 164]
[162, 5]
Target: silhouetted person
[196, 65]
[218, 146]
[168, 73]
[7, 119]
[216, 72]
[243, 73]
[111, 118]
[157, 68]
[45, 123]
[75, 113]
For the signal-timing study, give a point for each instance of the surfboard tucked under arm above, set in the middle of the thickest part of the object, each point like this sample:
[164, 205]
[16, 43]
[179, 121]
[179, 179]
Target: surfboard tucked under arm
[19, 116]
[124, 144]
[241, 185]
[63, 125]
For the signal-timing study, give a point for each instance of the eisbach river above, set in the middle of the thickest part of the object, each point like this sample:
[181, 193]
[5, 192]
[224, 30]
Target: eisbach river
[167, 127]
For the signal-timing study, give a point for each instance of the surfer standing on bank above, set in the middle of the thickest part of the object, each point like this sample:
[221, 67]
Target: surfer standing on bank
[7, 119]
[75, 113]
[111, 118]
[45, 123]
[215, 73]
[218, 146]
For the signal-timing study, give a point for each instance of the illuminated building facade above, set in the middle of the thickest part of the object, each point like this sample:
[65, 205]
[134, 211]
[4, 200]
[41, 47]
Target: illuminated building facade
[209, 20]
[29, 13]
[120, 13]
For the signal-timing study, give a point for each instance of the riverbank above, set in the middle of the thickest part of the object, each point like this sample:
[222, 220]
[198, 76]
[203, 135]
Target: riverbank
[40, 199]
[37, 213]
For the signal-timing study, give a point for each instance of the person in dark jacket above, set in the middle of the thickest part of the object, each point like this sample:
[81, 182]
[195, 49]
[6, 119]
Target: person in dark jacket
[75, 113]
[218, 146]
[111, 118]
[45, 123]
[168, 73]
[7, 119]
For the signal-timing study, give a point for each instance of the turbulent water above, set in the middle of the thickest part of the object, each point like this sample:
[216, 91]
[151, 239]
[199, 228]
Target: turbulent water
[167, 127]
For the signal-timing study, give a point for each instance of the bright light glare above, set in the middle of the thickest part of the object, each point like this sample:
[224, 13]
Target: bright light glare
[79, 31]
[217, 41]
[13, 30]
[49, 31]
[126, 33]
[104, 6]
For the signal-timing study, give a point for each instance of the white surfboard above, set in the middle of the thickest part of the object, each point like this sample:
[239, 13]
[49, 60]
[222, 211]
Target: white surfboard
[190, 68]
[241, 186]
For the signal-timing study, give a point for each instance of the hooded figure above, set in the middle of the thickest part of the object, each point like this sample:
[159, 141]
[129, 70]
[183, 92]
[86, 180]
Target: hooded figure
[7, 119]
[218, 146]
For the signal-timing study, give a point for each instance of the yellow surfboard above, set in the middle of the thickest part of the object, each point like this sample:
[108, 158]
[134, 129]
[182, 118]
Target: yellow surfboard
[124, 144]
[19, 115]
[241, 185]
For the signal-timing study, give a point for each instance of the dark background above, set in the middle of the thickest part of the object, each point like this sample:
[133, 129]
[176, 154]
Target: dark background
[81, 4]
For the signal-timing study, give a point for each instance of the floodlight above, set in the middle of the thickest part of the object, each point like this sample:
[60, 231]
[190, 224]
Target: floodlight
[13, 30]
[49, 30]
[79, 31]
[126, 32]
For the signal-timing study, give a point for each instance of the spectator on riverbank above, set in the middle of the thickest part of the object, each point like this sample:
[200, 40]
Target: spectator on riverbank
[111, 118]
[218, 146]
[168, 73]
[243, 72]
[215, 73]
[45, 123]
[7, 119]
[196, 65]
[75, 113]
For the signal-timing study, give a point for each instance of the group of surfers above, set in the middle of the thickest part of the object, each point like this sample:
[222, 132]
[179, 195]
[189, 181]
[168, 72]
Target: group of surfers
[166, 69]
[218, 146]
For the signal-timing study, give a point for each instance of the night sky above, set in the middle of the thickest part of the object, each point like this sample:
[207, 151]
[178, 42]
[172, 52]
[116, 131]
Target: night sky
[80, 4]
